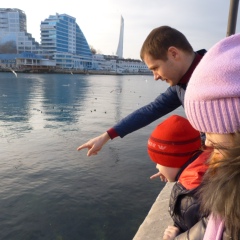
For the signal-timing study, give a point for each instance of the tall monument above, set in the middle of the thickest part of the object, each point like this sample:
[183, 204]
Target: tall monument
[119, 52]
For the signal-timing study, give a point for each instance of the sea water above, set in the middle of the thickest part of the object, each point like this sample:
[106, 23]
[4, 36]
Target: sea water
[49, 190]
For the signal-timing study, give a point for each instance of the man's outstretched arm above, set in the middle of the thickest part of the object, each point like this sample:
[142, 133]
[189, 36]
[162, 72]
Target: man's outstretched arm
[163, 104]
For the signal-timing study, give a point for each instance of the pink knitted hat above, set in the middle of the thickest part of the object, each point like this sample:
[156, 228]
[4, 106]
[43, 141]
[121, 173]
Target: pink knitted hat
[212, 99]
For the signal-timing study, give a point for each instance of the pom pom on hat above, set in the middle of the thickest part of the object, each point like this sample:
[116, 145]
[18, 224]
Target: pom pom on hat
[173, 142]
[212, 98]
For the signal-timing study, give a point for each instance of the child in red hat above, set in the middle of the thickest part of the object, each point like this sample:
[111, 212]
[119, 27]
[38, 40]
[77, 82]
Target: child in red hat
[176, 148]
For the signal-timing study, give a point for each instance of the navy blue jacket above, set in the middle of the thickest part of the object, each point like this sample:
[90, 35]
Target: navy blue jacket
[168, 101]
[165, 103]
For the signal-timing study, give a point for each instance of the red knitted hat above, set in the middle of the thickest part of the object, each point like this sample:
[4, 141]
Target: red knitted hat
[173, 142]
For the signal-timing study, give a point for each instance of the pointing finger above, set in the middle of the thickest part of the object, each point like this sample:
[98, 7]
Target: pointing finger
[85, 145]
[155, 175]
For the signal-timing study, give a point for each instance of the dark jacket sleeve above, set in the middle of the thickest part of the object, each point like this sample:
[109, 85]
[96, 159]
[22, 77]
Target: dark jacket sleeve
[184, 207]
[195, 233]
[162, 105]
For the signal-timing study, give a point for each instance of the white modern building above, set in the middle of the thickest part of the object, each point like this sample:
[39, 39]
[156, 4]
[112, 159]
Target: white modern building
[63, 41]
[14, 37]
[114, 64]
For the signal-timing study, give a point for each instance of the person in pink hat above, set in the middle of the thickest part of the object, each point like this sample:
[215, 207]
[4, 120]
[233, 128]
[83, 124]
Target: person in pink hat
[212, 105]
[175, 146]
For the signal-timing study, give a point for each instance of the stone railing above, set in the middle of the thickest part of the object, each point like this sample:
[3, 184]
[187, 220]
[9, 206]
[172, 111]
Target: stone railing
[158, 217]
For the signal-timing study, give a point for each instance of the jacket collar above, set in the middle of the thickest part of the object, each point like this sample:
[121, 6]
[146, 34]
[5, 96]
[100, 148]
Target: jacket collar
[185, 78]
[192, 175]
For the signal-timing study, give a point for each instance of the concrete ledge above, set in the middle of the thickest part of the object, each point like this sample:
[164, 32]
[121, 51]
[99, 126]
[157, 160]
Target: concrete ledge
[158, 217]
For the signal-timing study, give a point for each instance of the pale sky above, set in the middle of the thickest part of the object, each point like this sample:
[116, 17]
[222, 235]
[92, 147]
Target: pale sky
[203, 22]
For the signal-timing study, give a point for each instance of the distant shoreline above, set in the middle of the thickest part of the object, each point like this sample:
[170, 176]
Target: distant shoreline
[85, 72]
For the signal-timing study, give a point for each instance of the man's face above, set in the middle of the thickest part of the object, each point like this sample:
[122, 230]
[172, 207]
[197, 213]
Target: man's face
[164, 70]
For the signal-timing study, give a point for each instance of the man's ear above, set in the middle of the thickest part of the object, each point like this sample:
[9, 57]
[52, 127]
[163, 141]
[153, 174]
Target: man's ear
[173, 52]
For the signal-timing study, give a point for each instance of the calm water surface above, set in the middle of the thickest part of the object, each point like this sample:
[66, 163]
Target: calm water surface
[48, 190]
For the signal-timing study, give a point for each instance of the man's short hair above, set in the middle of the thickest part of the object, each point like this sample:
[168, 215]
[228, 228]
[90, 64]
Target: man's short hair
[160, 39]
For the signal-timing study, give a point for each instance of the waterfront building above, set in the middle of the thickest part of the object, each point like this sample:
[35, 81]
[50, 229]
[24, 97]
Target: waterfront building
[26, 62]
[114, 64]
[14, 37]
[63, 41]
[132, 66]
[63, 48]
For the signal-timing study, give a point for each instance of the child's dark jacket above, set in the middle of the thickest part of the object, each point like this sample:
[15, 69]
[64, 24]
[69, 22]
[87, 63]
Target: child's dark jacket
[184, 205]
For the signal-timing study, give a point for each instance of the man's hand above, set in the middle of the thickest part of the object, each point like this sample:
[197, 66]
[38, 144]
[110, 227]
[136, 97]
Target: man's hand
[95, 145]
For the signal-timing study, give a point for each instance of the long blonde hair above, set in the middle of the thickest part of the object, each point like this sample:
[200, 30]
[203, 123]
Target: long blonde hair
[220, 192]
